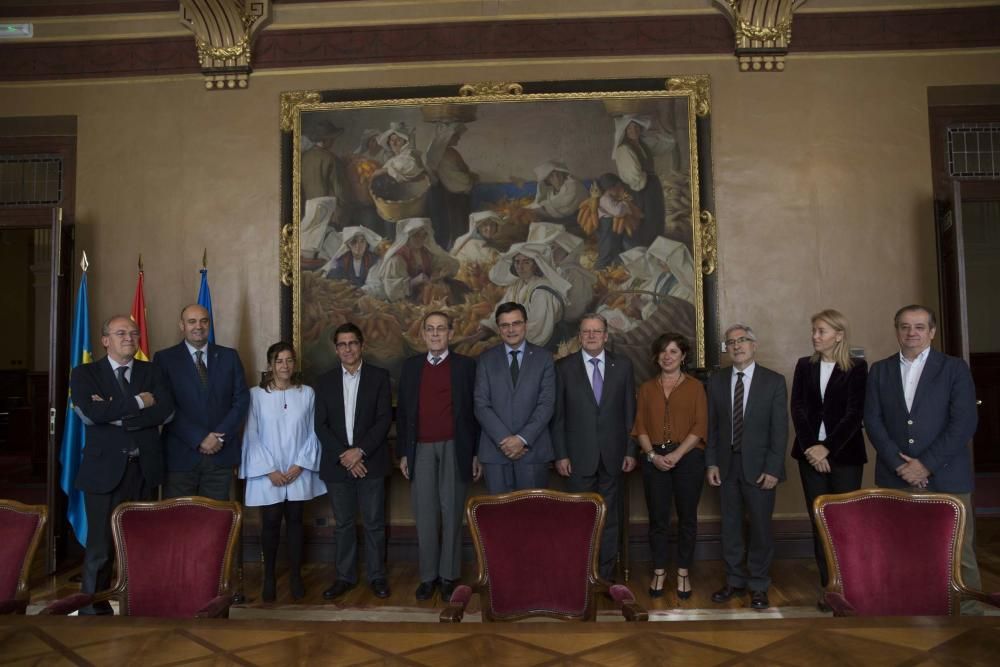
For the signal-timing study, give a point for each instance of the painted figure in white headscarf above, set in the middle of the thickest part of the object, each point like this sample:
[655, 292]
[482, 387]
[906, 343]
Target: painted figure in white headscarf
[636, 167]
[355, 258]
[559, 192]
[476, 244]
[413, 261]
[565, 249]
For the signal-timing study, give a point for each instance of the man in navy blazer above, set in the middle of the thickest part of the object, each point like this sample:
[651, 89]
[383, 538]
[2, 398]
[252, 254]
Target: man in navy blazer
[594, 414]
[745, 456]
[437, 435]
[515, 398]
[920, 414]
[123, 402]
[211, 401]
[353, 415]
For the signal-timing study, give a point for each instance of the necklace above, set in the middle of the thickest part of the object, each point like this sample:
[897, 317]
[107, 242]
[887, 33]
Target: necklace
[284, 401]
[663, 386]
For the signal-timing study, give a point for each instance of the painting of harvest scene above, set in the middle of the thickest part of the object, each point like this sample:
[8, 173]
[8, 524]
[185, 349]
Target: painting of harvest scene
[568, 204]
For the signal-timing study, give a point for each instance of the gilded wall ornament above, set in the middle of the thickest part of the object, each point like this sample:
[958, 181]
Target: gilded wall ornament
[698, 87]
[709, 243]
[287, 255]
[490, 88]
[290, 103]
[762, 30]
[224, 32]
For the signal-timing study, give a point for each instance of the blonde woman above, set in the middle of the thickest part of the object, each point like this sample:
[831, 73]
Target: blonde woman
[828, 401]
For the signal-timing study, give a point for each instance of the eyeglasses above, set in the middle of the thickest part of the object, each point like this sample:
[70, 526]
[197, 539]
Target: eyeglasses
[436, 330]
[122, 334]
[511, 325]
[591, 332]
[343, 345]
[733, 342]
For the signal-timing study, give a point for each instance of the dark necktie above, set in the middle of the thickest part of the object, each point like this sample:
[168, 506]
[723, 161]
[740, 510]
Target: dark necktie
[122, 382]
[738, 413]
[597, 380]
[515, 368]
[202, 369]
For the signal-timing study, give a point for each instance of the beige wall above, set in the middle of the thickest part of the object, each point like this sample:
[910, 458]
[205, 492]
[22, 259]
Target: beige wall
[822, 183]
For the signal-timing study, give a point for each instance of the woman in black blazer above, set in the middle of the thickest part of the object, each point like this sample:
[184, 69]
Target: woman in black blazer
[828, 401]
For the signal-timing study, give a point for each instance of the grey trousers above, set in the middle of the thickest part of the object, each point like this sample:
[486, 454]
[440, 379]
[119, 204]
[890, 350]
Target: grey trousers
[515, 476]
[438, 496]
[739, 497]
[347, 498]
[205, 479]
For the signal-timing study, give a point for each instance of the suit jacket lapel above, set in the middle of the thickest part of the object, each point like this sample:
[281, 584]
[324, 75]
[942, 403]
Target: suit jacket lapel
[896, 377]
[109, 383]
[583, 377]
[814, 376]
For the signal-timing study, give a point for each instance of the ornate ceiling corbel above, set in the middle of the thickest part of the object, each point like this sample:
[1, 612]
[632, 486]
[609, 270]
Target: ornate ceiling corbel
[763, 30]
[224, 32]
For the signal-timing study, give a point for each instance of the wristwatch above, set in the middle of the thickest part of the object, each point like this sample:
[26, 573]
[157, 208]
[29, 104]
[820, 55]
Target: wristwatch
[649, 455]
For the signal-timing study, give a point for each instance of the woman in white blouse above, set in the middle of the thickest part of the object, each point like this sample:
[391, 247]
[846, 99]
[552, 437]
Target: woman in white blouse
[281, 462]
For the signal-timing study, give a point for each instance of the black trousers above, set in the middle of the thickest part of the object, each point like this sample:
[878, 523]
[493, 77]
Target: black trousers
[206, 479]
[607, 483]
[270, 535]
[680, 486]
[840, 479]
[97, 564]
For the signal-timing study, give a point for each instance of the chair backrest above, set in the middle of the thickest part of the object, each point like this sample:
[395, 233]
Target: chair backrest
[893, 553]
[537, 553]
[20, 532]
[173, 556]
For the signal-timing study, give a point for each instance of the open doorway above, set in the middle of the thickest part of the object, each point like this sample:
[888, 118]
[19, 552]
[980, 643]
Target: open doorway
[965, 142]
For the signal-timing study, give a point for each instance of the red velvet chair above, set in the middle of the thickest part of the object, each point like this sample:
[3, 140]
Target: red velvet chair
[537, 552]
[20, 532]
[173, 559]
[892, 553]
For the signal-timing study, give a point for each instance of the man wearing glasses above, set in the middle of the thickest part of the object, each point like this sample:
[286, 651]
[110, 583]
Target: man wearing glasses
[437, 434]
[123, 402]
[514, 398]
[595, 409]
[745, 455]
[353, 413]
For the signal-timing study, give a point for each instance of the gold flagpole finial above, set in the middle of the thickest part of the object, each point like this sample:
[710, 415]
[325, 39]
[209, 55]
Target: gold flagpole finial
[204, 259]
[84, 263]
[140, 262]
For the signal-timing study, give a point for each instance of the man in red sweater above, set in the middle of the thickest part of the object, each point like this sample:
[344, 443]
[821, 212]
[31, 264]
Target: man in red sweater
[437, 432]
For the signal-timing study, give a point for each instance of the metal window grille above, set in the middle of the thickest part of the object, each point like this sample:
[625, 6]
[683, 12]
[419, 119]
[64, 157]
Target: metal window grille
[974, 150]
[31, 180]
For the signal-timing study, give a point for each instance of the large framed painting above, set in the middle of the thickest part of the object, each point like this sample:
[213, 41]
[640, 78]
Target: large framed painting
[568, 197]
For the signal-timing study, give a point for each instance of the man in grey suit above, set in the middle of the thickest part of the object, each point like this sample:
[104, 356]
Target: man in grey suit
[745, 455]
[595, 409]
[515, 396]
[920, 414]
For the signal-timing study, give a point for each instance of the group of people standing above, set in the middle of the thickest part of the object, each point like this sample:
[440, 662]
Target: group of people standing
[508, 417]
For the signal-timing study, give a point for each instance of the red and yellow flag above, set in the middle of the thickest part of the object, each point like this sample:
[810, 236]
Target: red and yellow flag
[139, 317]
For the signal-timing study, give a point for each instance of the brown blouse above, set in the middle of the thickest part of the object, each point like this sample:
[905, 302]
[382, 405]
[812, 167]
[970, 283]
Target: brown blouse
[688, 411]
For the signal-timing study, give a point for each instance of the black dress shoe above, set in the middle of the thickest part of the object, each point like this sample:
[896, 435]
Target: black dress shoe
[727, 593]
[380, 587]
[448, 587]
[425, 591]
[758, 600]
[339, 588]
[102, 608]
[267, 590]
[297, 588]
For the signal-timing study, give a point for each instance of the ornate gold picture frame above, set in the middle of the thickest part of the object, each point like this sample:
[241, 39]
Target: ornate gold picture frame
[570, 197]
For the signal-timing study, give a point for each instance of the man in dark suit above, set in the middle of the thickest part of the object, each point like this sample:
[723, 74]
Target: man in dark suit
[920, 414]
[745, 455]
[437, 434]
[122, 402]
[594, 413]
[211, 401]
[353, 413]
[515, 398]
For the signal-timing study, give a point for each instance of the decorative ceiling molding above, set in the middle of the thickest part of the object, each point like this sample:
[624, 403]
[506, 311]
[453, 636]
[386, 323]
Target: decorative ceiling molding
[224, 33]
[763, 31]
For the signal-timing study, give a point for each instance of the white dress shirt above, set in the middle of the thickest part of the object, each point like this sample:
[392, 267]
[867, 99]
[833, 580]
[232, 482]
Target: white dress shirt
[825, 371]
[351, 383]
[911, 372]
[747, 377]
[440, 357]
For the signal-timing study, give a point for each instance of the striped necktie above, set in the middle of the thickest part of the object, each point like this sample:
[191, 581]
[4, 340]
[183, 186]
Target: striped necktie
[738, 413]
